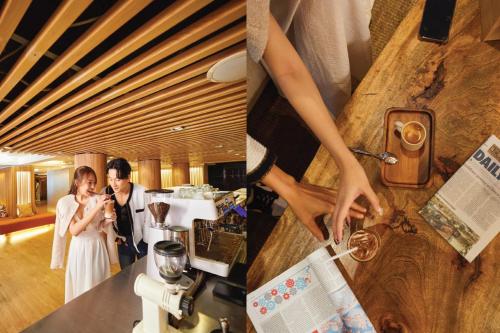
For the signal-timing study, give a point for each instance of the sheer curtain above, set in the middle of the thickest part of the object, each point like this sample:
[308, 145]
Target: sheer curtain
[23, 187]
[166, 178]
[134, 177]
[196, 175]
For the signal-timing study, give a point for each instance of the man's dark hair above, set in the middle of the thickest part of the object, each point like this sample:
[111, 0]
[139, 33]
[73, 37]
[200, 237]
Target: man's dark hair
[122, 167]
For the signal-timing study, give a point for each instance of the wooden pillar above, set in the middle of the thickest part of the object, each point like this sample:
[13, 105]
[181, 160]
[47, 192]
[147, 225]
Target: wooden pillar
[96, 162]
[180, 173]
[150, 174]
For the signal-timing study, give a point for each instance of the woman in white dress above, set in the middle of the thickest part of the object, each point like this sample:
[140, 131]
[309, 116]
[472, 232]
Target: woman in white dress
[81, 212]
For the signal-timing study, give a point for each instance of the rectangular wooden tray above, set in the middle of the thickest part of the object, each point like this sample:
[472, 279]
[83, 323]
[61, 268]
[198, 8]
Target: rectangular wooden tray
[414, 167]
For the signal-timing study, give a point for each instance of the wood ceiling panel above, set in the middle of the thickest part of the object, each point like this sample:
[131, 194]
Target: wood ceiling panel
[11, 14]
[112, 20]
[196, 136]
[226, 39]
[126, 115]
[77, 115]
[152, 29]
[146, 122]
[149, 83]
[64, 16]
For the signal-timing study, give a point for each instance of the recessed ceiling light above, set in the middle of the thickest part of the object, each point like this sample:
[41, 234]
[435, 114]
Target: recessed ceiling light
[177, 129]
[230, 69]
[230, 150]
[7, 148]
[219, 146]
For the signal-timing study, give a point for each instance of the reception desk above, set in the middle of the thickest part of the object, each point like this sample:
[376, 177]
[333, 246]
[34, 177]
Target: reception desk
[112, 306]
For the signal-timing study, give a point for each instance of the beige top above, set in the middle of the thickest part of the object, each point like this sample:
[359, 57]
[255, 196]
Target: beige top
[332, 38]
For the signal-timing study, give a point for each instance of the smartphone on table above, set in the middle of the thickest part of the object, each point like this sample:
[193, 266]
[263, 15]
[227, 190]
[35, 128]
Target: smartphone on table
[436, 20]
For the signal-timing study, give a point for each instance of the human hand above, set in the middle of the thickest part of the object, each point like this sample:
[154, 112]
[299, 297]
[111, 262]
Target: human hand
[102, 200]
[353, 183]
[110, 219]
[307, 201]
[310, 201]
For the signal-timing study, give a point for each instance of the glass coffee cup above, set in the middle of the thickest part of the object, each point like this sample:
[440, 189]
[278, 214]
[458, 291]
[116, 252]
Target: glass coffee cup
[109, 208]
[367, 242]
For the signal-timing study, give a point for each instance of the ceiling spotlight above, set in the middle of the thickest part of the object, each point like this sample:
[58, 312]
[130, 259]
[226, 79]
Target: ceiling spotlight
[230, 69]
[219, 146]
[230, 150]
[177, 129]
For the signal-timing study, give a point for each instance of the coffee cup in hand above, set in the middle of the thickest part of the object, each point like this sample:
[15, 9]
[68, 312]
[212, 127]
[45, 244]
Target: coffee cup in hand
[109, 209]
[413, 134]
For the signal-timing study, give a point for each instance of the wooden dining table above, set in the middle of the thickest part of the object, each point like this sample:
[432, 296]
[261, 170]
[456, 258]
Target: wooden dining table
[417, 282]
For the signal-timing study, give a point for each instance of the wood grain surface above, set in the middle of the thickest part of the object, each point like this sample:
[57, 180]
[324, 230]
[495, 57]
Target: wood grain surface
[417, 282]
[414, 167]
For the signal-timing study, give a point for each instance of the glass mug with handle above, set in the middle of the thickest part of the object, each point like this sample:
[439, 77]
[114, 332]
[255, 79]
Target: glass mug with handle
[413, 134]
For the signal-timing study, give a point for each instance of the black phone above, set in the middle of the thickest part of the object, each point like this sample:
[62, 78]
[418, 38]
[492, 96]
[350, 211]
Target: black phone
[436, 20]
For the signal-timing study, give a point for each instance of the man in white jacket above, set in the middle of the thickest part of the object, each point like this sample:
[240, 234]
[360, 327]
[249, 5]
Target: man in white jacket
[129, 207]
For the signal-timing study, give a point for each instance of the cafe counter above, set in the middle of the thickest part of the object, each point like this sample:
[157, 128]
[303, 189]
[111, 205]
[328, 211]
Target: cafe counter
[112, 306]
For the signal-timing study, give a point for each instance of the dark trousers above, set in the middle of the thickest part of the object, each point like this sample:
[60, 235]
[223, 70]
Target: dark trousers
[127, 254]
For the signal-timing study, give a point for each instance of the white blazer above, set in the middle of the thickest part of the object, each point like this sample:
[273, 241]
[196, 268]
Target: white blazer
[136, 204]
[65, 210]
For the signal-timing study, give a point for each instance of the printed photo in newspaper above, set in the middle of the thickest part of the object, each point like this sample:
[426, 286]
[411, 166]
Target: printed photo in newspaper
[466, 210]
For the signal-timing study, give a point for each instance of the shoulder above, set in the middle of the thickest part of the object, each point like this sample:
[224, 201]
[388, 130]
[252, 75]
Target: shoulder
[66, 202]
[138, 188]
[67, 199]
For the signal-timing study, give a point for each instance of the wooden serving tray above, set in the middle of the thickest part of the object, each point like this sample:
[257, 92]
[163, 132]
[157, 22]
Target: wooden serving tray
[414, 167]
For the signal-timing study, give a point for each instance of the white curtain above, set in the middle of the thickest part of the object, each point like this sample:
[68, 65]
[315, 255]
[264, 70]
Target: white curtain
[134, 177]
[196, 175]
[166, 178]
[23, 187]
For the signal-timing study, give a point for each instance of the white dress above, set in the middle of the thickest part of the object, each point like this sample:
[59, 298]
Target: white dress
[88, 260]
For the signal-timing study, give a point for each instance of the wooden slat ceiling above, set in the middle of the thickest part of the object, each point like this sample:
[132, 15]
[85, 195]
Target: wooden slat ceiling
[116, 77]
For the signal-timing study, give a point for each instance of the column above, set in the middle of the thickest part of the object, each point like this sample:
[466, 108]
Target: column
[180, 173]
[150, 174]
[96, 162]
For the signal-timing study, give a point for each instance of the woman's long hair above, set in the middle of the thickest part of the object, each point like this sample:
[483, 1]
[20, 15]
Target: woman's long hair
[80, 174]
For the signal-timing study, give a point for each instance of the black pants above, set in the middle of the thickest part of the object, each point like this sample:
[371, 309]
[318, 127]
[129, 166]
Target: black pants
[127, 254]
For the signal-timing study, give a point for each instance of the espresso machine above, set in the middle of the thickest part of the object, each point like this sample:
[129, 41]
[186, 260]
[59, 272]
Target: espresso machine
[211, 249]
[195, 221]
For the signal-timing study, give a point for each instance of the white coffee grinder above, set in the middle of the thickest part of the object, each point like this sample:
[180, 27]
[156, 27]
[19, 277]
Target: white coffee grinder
[157, 204]
[161, 298]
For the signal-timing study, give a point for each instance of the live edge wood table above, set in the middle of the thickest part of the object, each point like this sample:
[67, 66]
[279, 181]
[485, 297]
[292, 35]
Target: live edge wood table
[417, 282]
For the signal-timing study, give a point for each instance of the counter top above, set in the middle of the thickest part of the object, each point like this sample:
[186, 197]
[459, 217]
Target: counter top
[112, 306]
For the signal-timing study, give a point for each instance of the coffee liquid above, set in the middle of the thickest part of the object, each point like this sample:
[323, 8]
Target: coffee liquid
[413, 133]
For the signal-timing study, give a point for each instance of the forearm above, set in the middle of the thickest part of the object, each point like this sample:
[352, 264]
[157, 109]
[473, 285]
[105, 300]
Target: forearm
[75, 228]
[280, 182]
[301, 91]
[306, 100]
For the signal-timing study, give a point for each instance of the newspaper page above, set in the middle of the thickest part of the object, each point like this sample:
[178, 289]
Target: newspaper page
[466, 210]
[311, 297]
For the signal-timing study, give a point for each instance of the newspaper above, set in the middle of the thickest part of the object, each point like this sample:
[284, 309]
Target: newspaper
[311, 296]
[466, 210]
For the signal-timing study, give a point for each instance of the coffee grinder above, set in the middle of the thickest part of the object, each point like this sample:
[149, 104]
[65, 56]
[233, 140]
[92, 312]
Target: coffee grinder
[157, 204]
[161, 298]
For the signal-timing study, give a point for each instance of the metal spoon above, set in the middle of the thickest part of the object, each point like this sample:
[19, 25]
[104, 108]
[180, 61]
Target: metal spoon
[387, 157]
